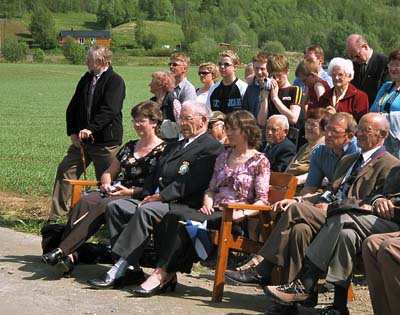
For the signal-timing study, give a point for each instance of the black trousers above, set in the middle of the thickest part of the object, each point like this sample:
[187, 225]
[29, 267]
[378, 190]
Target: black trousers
[174, 247]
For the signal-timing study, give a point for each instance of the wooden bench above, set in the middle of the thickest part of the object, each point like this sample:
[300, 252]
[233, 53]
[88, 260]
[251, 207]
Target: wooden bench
[281, 186]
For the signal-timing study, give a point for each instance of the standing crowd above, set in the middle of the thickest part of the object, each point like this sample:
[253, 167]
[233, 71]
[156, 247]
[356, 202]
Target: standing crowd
[336, 131]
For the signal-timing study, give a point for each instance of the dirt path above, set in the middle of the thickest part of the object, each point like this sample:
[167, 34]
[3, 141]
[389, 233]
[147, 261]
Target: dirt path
[27, 286]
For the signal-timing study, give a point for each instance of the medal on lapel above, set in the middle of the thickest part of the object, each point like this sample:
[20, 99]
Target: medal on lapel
[184, 168]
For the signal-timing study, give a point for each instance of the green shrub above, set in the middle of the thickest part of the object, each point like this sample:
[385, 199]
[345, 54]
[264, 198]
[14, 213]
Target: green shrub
[204, 50]
[14, 50]
[159, 52]
[75, 53]
[38, 55]
[274, 47]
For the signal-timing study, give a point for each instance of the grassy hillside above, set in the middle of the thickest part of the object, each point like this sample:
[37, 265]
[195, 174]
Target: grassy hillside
[67, 21]
[167, 33]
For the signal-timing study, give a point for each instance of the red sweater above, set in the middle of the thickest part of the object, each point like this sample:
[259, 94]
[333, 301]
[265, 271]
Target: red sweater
[354, 102]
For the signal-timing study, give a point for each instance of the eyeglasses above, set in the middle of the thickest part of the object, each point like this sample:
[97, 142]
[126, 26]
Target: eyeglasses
[334, 132]
[367, 131]
[393, 67]
[310, 124]
[139, 121]
[358, 55]
[340, 75]
[174, 64]
[273, 129]
[203, 72]
[224, 65]
[187, 118]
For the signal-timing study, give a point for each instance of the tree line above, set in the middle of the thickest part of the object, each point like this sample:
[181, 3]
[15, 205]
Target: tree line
[282, 24]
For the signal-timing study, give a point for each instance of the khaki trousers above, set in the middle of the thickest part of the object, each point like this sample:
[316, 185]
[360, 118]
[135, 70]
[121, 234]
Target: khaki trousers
[381, 255]
[71, 167]
[292, 234]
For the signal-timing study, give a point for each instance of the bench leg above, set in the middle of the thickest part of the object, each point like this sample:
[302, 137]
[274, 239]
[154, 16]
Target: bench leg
[350, 294]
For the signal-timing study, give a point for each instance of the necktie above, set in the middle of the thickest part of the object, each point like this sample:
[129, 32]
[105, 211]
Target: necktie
[91, 92]
[363, 71]
[352, 176]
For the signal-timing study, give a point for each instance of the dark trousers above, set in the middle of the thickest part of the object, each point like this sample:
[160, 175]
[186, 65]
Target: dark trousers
[173, 244]
[85, 219]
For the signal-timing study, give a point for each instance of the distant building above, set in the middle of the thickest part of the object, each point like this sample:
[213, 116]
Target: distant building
[87, 37]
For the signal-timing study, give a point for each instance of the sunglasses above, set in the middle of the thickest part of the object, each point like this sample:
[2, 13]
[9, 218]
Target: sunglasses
[174, 64]
[224, 65]
[203, 72]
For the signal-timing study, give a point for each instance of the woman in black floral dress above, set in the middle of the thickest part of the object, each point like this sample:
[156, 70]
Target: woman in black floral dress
[133, 163]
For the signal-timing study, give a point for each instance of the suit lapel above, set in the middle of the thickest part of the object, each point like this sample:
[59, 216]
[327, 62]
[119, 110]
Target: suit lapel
[175, 154]
[343, 169]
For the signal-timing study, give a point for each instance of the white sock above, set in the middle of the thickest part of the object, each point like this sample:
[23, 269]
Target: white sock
[119, 268]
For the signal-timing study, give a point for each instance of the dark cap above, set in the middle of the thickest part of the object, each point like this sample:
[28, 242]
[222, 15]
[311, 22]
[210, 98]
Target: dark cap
[217, 116]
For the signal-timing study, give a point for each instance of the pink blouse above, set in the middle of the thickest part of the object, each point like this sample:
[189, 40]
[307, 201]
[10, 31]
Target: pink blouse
[246, 183]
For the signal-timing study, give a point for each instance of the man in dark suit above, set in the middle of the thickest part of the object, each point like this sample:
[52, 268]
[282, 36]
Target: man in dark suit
[182, 176]
[370, 68]
[362, 176]
[279, 149]
[94, 121]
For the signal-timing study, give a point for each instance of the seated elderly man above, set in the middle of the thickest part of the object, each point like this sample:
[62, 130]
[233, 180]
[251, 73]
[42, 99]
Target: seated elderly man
[349, 219]
[279, 149]
[381, 252]
[216, 127]
[300, 221]
[182, 175]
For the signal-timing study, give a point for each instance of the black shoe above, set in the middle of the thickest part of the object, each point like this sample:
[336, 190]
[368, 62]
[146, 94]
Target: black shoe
[104, 282]
[278, 309]
[332, 311]
[248, 276]
[312, 300]
[53, 257]
[131, 277]
[67, 265]
[139, 291]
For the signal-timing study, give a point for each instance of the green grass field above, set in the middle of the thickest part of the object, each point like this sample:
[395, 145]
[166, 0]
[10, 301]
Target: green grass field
[32, 121]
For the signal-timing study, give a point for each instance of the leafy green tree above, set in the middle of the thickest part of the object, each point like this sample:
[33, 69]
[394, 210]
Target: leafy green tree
[38, 55]
[149, 41]
[273, 47]
[160, 10]
[75, 53]
[140, 30]
[42, 28]
[204, 50]
[14, 51]
[337, 38]
[111, 12]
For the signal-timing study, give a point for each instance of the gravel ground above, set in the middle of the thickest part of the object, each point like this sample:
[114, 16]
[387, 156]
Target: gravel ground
[27, 286]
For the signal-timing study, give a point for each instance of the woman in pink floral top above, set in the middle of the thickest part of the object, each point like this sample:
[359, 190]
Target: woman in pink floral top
[241, 175]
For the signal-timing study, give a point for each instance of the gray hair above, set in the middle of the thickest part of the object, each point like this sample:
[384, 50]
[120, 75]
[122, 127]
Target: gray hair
[198, 108]
[282, 119]
[345, 64]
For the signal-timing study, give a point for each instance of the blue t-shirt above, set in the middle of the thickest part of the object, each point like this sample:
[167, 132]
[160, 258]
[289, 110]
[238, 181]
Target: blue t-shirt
[323, 163]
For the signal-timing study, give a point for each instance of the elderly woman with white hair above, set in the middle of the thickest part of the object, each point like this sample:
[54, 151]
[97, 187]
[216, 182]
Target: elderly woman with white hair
[344, 97]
